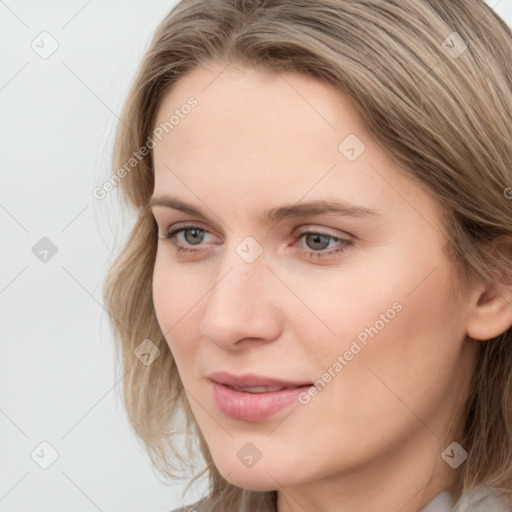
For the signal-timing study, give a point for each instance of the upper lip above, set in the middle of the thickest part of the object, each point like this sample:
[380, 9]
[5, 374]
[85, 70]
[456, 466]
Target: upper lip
[248, 380]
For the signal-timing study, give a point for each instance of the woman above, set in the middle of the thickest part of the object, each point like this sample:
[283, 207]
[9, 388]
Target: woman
[318, 284]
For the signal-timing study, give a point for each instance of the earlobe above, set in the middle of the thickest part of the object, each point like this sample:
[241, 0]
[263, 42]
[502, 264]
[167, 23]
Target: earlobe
[491, 314]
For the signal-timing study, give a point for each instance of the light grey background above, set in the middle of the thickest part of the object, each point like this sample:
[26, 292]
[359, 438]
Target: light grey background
[58, 380]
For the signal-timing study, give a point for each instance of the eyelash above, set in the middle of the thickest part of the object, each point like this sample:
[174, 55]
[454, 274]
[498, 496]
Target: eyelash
[169, 237]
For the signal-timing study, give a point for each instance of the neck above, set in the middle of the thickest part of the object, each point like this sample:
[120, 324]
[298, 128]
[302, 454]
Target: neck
[406, 479]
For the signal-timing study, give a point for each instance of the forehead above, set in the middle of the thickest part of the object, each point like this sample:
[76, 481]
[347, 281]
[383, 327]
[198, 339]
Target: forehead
[256, 106]
[275, 138]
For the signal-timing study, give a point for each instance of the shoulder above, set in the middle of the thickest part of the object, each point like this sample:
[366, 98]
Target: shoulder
[482, 499]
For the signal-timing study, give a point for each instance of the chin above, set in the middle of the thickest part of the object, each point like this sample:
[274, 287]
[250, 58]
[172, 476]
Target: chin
[265, 475]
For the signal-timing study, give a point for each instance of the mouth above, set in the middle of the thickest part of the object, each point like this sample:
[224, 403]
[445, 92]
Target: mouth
[255, 403]
[261, 389]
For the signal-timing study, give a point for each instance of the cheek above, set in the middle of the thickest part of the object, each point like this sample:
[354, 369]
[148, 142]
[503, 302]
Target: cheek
[405, 369]
[176, 298]
[165, 300]
[399, 319]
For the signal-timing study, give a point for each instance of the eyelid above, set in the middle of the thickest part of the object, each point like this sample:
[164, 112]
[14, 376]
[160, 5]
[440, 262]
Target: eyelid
[314, 228]
[188, 225]
[306, 228]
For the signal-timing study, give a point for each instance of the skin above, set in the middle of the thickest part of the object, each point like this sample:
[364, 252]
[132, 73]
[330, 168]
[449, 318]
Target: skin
[372, 438]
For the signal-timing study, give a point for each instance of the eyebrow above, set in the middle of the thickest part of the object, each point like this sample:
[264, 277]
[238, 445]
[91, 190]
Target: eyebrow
[321, 207]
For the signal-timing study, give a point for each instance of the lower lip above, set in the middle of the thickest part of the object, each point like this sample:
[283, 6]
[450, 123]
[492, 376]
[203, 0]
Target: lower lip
[254, 406]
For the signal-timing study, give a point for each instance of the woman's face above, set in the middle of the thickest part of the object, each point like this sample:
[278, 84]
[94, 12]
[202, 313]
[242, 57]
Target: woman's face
[360, 301]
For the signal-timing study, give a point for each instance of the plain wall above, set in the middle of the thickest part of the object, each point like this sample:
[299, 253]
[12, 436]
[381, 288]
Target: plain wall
[58, 382]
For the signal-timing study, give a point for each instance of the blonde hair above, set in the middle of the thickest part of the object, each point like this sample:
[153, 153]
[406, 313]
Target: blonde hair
[444, 118]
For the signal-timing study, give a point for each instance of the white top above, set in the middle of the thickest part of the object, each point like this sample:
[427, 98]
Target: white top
[481, 499]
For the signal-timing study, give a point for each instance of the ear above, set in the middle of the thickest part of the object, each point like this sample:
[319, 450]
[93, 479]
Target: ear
[490, 312]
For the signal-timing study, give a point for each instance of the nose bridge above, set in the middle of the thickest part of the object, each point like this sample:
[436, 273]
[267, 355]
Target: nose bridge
[239, 286]
[241, 302]
[243, 268]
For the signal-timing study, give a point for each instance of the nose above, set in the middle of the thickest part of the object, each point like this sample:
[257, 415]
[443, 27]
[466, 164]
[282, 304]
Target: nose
[243, 306]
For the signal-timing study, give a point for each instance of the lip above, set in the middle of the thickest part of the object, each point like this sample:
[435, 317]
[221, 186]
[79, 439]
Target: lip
[251, 380]
[246, 406]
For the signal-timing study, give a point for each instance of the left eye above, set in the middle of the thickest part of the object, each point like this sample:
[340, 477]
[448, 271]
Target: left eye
[194, 235]
[317, 238]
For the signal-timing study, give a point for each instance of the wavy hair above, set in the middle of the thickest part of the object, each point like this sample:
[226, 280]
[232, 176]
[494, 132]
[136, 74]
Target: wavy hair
[441, 111]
